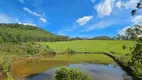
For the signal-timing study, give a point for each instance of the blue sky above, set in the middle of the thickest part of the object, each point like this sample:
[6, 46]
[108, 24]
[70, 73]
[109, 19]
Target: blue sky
[82, 18]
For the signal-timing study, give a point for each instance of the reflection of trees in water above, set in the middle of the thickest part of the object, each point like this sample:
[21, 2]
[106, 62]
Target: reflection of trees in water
[115, 65]
[126, 77]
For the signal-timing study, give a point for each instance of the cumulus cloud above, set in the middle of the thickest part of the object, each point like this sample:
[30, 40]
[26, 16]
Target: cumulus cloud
[82, 21]
[43, 19]
[131, 4]
[5, 19]
[118, 4]
[31, 12]
[137, 19]
[104, 8]
[21, 1]
[123, 31]
[98, 25]
[93, 1]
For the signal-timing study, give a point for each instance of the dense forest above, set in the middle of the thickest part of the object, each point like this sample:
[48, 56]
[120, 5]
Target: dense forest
[25, 33]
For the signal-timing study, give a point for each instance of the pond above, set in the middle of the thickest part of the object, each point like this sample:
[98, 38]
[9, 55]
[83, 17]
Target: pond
[44, 68]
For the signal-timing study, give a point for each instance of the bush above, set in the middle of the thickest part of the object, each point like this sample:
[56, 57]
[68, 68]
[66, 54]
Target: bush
[70, 51]
[124, 47]
[65, 73]
[49, 50]
[112, 52]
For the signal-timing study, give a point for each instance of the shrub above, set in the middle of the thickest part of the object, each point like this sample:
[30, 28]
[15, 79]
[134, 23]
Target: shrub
[70, 51]
[124, 47]
[112, 52]
[65, 73]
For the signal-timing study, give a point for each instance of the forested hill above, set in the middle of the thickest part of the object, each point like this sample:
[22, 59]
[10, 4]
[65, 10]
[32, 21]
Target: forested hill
[26, 33]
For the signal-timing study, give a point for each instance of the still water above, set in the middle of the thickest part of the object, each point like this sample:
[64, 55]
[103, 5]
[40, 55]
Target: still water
[45, 69]
[95, 71]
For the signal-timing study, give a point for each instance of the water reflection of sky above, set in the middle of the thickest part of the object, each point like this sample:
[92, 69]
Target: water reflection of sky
[95, 71]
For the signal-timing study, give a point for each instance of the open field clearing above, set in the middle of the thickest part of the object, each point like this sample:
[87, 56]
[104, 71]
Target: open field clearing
[91, 45]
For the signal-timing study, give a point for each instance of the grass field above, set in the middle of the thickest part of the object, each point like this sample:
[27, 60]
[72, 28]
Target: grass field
[91, 45]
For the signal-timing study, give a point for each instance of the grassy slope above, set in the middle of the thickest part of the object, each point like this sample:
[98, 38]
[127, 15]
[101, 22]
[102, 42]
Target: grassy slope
[90, 45]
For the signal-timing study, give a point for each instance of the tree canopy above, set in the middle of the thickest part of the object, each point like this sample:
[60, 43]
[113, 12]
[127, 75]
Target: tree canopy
[132, 33]
[26, 33]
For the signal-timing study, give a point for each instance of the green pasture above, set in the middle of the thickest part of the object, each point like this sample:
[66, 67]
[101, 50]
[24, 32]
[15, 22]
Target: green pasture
[91, 45]
[98, 58]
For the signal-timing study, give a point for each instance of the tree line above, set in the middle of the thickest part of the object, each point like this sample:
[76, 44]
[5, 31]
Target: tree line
[27, 33]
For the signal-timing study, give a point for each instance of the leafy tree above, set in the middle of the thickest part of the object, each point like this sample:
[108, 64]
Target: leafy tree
[136, 59]
[1, 40]
[132, 33]
[102, 38]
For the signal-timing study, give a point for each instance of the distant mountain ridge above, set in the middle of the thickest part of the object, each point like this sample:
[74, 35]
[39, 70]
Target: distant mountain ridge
[26, 33]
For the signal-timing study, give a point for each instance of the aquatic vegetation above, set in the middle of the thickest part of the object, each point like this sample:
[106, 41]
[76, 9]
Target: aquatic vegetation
[65, 73]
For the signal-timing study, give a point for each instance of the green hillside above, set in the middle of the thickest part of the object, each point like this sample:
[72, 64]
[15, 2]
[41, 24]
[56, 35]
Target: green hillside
[26, 33]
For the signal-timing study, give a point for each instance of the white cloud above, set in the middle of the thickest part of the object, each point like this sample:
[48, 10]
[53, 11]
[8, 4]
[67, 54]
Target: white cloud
[36, 14]
[29, 24]
[140, 35]
[122, 32]
[104, 8]
[137, 19]
[5, 19]
[93, 1]
[82, 21]
[131, 4]
[43, 19]
[60, 33]
[98, 25]
[24, 23]
[31, 12]
[21, 1]
[118, 4]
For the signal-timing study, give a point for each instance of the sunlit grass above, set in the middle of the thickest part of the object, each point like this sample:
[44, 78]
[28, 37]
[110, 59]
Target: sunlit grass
[91, 45]
[98, 58]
